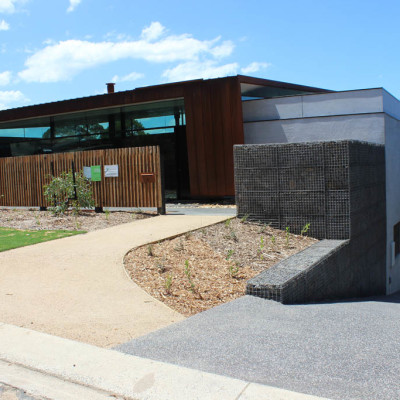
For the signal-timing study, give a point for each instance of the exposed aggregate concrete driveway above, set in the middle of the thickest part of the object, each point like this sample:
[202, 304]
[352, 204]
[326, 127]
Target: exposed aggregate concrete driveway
[342, 351]
[77, 287]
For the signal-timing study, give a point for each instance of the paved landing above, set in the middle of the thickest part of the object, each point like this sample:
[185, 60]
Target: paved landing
[348, 350]
[77, 287]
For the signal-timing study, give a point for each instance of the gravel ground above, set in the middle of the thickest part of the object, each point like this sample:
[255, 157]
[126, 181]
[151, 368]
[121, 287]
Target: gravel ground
[344, 351]
[23, 218]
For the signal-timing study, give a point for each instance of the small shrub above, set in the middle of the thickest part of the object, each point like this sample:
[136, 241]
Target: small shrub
[233, 270]
[287, 236]
[229, 255]
[60, 193]
[150, 251]
[305, 229]
[168, 283]
[188, 274]
[244, 218]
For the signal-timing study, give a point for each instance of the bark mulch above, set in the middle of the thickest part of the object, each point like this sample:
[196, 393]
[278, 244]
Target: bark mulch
[85, 221]
[204, 268]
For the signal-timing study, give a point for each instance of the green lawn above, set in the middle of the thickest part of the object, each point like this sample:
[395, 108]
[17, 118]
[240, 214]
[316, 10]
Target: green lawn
[13, 238]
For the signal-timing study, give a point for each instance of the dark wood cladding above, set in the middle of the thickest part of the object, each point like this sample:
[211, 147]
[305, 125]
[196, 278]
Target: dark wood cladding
[214, 123]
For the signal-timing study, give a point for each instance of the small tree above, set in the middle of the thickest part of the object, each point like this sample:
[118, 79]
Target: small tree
[60, 192]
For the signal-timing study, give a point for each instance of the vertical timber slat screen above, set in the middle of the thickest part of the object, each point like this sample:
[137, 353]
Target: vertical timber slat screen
[22, 178]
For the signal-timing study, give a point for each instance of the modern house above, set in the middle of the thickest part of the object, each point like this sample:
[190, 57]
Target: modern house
[196, 123]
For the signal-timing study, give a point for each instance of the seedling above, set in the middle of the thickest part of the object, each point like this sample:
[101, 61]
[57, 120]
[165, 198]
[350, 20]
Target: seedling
[150, 250]
[273, 240]
[168, 283]
[233, 270]
[188, 274]
[261, 247]
[228, 223]
[233, 236]
[305, 229]
[161, 265]
[179, 246]
[229, 255]
[287, 236]
[244, 218]
[107, 213]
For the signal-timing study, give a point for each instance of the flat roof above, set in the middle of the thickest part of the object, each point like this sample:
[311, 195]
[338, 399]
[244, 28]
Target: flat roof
[138, 95]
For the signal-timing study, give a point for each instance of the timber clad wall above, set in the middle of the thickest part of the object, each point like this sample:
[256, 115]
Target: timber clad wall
[214, 122]
[22, 178]
[213, 125]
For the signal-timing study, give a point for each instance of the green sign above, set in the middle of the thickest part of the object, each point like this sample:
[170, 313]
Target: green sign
[96, 173]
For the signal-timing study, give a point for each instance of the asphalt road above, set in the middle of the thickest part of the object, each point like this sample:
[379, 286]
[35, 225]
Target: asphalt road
[347, 350]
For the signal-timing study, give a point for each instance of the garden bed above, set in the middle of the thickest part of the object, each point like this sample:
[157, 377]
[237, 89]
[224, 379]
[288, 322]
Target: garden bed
[86, 220]
[201, 269]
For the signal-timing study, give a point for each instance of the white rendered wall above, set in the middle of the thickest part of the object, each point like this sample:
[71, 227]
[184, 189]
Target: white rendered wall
[367, 127]
[316, 105]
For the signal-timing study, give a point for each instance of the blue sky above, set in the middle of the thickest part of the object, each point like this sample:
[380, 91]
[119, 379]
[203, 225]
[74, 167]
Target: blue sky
[61, 49]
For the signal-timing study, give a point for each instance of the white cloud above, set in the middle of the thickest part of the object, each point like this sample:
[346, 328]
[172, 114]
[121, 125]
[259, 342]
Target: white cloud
[72, 5]
[254, 67]
[152, 32]
[224, 50]
[11, 96]
[65, 59]
[5, 78]
[4, 26]
[194, 70]
[133, 76]
[7, 6]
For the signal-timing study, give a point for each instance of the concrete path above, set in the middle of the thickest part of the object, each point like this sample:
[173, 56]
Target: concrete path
[55, 368]
[77, 288]
[344, 351]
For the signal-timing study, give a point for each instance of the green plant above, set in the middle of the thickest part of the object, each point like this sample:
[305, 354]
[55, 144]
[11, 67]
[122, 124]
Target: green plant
[229, 255]
[244, 218]
[160, 264]
[179, 246]
[168, 283]
[233, 270]
[37, 220]
[261, 248]
[188, 274]
[61, 193]
[305, 228]
[227, 223]
[77, 225]
[273, 239]
[232, 236]
[107, 213]
[150, 250]
[287, 236]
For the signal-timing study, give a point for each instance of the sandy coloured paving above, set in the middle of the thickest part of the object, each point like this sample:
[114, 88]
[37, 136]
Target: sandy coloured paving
[77, 288]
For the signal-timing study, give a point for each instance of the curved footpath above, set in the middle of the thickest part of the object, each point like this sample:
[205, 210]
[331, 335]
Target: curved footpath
[77, 287]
